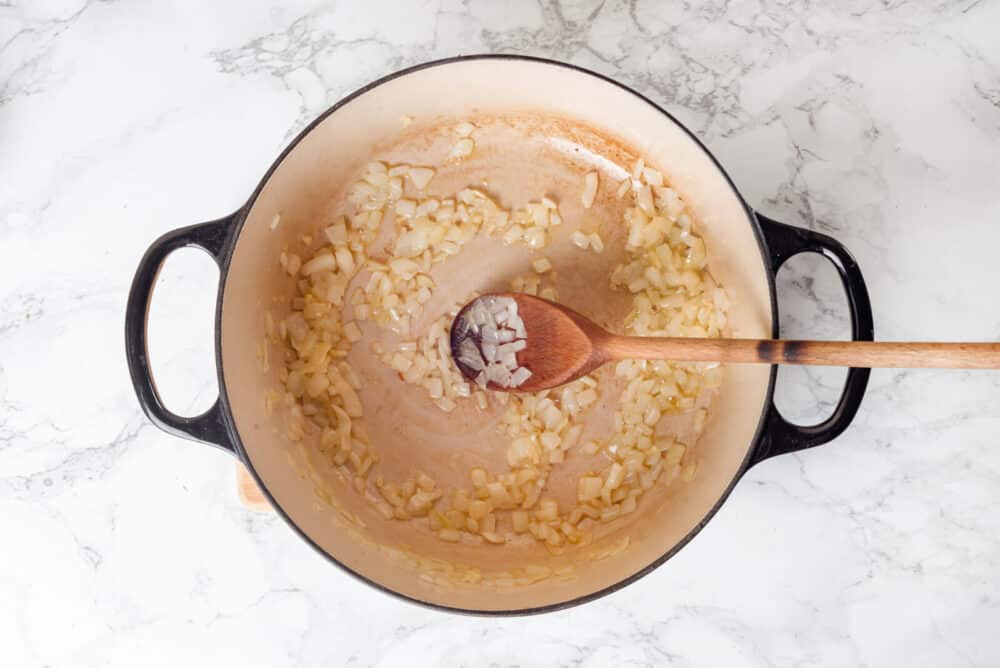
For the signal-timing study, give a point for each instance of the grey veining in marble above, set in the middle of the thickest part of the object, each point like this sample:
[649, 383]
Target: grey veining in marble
[877, 122]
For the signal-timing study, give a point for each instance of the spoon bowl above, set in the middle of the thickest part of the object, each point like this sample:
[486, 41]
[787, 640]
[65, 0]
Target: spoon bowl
[550, 327]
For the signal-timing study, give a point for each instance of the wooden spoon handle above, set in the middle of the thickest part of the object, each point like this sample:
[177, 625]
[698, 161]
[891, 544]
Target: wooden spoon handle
[863, 354]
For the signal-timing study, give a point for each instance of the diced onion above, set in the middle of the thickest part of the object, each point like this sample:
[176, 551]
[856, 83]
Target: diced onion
[589, 189]
[672, 293]
[421, 176]
[541, 265]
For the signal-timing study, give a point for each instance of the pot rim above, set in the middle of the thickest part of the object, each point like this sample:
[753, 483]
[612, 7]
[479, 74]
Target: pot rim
[236, 228]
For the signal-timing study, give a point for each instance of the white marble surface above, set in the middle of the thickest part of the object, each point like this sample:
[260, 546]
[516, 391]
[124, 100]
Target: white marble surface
[119, 545]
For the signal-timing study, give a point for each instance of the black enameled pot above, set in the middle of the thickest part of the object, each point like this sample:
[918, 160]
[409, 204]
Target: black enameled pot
[746, 250]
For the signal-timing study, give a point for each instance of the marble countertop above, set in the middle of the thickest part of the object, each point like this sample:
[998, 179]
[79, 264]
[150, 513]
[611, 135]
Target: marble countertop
[878, 123]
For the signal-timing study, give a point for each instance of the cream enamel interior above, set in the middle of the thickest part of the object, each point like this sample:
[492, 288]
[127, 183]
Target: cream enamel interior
[301, 189]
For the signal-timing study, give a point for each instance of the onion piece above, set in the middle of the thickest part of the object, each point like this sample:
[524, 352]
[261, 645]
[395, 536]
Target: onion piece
[590, 182]
[519, 376]
[421, 176]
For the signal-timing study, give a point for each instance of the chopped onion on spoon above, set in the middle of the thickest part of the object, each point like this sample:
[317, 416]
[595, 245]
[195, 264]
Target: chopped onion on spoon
[487, 337]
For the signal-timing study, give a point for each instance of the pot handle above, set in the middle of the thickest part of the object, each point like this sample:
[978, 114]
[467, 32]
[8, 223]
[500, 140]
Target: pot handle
[783, 242]
[209, 427]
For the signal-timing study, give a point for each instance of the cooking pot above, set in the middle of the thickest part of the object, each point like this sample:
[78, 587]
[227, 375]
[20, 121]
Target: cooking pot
[746, 249]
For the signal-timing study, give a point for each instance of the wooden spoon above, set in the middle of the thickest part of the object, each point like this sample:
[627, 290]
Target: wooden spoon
[562, 346]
